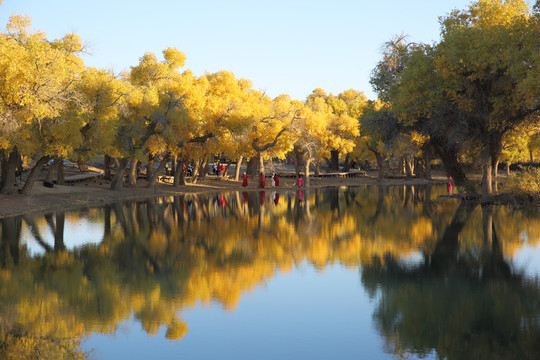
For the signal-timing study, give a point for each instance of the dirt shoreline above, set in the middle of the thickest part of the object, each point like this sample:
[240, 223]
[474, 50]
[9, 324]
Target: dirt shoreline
[92, 193]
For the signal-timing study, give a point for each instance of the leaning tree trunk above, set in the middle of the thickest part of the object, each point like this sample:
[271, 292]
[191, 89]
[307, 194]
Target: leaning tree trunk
[334, 160]
[227, 168]
[118, 180]
[50, 174]
[237, 169]
[60, 178]
[29, 184]
[159, 170]
[195, 173]
[203, 171]
[132, 174]
[9, 166]
[448, 155]
[107, 166]
[179, 178]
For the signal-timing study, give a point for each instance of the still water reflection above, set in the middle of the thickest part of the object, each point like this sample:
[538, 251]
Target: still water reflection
[369, 272]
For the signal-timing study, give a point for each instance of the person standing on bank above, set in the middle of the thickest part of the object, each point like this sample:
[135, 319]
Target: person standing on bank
[244, 182]
[262, 182]
[273, 180]
[276, 179]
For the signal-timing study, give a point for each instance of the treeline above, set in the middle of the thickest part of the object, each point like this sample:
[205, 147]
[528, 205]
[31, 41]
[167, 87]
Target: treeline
[473, 95]
[475, 92]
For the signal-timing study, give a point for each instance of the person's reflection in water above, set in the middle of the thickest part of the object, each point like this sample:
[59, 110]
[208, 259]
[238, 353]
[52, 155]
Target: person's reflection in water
[276, 198]
[263, 196]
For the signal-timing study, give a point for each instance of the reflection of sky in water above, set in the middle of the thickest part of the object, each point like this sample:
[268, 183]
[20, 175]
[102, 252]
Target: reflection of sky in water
[76, 234]
[302, 314]
[527, 258]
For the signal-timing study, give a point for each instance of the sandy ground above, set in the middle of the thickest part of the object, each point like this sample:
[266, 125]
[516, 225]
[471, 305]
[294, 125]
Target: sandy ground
[96, 191]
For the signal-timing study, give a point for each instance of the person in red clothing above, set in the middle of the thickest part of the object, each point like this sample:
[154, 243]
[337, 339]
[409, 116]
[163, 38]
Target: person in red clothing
[276, 179]
[244, 182]
[262, 183]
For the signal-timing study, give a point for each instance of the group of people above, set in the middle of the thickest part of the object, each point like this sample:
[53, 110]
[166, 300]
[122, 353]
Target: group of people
[218, 169]
[262, 182]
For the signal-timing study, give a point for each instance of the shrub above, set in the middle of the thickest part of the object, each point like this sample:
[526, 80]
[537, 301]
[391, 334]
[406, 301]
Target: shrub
[524, 181]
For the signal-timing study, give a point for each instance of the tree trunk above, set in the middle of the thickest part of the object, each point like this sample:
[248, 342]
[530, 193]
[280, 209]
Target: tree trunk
[428, 154]
[50, 174]
[298, 160]
[174, 160]
[252, 168]
[179, 178]
[150, 167]
[118, 180]
[132, 174]
[204, 168]
[107, 166]
[495, 169]
[409, 165]
[380, 163]
[237, 169]
[9, 167]
[347, 163]
[487, 189]
[508, 168]
[227, 168]
[401, 166]
[195, 174]
[334, 160]
[306, 180]
[60, 179]
[261, 163]
[448, 155]
[29, 184]
[159, 170]
[318, 168]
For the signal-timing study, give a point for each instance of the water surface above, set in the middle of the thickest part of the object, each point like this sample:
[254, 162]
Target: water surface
[368, 272]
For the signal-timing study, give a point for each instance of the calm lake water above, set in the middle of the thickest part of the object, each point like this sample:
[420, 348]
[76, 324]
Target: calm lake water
[339, 273]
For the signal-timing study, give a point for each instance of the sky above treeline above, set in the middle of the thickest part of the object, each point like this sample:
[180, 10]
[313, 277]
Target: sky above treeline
[284, 47]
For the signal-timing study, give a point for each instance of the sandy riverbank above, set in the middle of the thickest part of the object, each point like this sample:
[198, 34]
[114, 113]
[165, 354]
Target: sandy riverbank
[96, 192]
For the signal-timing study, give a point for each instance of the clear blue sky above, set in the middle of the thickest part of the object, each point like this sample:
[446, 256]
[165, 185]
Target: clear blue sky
[287, 47]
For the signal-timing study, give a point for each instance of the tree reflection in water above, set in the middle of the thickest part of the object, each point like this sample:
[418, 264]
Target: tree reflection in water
[160, 256]
[462, 304]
